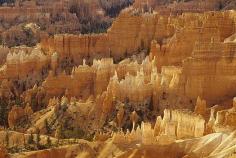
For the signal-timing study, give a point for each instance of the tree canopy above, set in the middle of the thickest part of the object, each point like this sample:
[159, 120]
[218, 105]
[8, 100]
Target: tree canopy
[6, 1]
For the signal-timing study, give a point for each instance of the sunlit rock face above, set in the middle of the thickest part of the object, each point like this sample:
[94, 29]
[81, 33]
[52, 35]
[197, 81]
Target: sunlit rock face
[204, 52]
[130, 32]
[155, 83]
[178, 37]
[93, 80]
[205, 27]
[208, 62]
[20, 64]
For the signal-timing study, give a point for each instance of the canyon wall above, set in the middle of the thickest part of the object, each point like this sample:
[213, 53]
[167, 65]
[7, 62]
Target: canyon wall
[205, 49]
[211, 64]
[192, 28]
[133, 31]
[78, 86]
[194, 35]
[130, 32]
[77, 47]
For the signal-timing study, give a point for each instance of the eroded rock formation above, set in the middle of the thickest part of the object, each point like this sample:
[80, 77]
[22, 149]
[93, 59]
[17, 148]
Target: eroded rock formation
[131, 91]
[18, 113]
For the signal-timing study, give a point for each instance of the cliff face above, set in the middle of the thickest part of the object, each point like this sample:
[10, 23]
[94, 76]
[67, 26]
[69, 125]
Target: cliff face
[211, 64]
[133, 31]
[191, 28]
[188, 40]
[77, 46]
[129, 33]
[198, 46]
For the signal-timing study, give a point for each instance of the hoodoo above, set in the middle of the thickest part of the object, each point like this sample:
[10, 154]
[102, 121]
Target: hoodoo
[117, 78]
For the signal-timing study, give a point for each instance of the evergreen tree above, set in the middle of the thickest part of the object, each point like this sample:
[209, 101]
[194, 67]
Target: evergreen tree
[49, 142]
[126, 53]
[6, 1]
[38, 137]
[46, 125]
[3, 113]
[31, 139]
[221, 6]
[58, 133]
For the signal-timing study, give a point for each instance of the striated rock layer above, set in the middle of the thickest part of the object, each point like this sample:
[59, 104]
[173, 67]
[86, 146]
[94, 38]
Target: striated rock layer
[129, 33]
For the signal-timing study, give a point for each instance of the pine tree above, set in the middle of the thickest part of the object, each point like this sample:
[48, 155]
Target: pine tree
[38, 137]
[58, 133]
[49, 142]
[31, 139]
[126, 53]
[6, 1]
[47, 126]
[3, 113]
